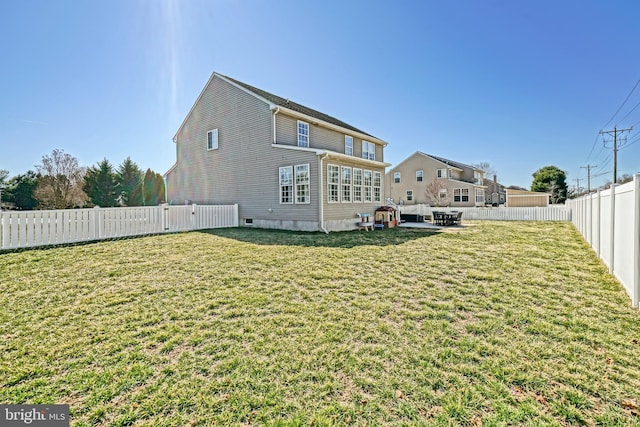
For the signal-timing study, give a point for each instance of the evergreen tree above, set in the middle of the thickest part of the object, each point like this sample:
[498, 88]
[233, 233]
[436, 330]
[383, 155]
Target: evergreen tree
[152, 188]
[100, 184]
[551, 179]
[129, 180]
[20, 191]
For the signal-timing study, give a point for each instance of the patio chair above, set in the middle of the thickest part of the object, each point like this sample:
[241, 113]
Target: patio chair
[438, 217]
[458, 219]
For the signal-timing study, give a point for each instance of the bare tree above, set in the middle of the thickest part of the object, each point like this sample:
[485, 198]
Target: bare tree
[436, 193]
[60, 182]
[488, 169]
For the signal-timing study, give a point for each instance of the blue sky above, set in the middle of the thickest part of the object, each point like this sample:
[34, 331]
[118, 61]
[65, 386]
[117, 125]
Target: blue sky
[518, 84]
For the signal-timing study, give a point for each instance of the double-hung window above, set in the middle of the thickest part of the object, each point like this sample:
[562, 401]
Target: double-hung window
[212, 139]
[442, 173]
[368, 150]
[409, 195]
[286, 185]
[479, 195]
[302, 184]
[367, 186]
[333, 183]
[346, 184]
[418, 176]
[357, 185]
[377, 191]
[396, 177]
[303, 134]
[460, 194]
[348, 145]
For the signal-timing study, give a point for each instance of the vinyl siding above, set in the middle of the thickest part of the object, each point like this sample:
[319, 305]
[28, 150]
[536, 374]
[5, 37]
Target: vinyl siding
[429, 166]
[340, 210]
[244, 169]
[319, 137]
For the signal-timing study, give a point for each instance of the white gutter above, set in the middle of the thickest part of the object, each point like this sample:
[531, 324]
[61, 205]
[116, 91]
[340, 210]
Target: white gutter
[321, 157]
[275, 111]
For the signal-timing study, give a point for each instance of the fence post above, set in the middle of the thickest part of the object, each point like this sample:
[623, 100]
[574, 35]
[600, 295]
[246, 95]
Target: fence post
[599, 234]
[193, 216]
[4, 243]
[636, 241]
[612, 227]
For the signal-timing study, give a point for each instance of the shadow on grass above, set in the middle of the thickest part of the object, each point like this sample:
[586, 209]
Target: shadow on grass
[343, 239]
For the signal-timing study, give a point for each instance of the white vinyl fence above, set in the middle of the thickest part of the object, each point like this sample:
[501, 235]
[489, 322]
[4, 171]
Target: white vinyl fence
[38, 228]
[609, 220]
[551, 213]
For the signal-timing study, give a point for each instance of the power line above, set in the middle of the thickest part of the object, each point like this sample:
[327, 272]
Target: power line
[627, 115]
[588, 168]
[622, 105]
[615, 147]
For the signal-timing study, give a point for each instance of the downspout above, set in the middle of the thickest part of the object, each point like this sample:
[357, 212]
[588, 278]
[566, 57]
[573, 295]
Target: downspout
[320, 186]
[275, 111]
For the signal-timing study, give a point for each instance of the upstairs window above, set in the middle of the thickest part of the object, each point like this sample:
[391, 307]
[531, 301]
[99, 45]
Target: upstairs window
[368, 150]
[303, 134]
[212, 139]
[442, 173]
[396, 177]
[418, 176]
[348, 145]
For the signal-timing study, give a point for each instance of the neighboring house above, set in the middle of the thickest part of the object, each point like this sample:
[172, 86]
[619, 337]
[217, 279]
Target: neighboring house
[287, 166]
[424, 178]
[495, 194]
[520, 198]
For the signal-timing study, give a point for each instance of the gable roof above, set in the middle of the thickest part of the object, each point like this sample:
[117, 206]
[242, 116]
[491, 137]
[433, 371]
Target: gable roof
[286, 103]
[450, 162]
[276, 101]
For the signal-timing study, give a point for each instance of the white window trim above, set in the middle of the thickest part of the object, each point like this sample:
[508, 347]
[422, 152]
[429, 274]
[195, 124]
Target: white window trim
[354, 186]
[460, 190]
[329, 184]
[348, 138]
[308, 184]
[440, 174]
[280, 185]
[214, 133]
[365, 187]
[421, 176]
[399, 176]
[378, 198]
[343, 185]
[308, 135]
[370, 150]
[409, 195]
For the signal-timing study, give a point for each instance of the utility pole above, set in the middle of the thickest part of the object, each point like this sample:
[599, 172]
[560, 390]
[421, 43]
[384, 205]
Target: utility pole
[577, 180]
[588, 168]
[615, 147]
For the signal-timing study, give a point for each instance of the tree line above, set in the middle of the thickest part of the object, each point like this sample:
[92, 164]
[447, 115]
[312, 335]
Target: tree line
[59, 182]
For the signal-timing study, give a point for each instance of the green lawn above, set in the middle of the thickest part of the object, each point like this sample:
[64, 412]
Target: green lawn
[496, 323]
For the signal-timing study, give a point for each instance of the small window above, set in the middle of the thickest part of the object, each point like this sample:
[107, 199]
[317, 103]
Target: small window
[303, 134]
[419, 176]
[348, 145]
[248, 221]
[368, 150]
[212, 139]
[409, 195]
[442, 173]
[286, 185]
[396, 177]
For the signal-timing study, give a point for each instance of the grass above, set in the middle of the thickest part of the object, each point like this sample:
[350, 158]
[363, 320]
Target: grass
[496, 323]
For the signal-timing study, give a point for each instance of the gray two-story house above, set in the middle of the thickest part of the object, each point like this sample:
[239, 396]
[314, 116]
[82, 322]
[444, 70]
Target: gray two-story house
[287, 166]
